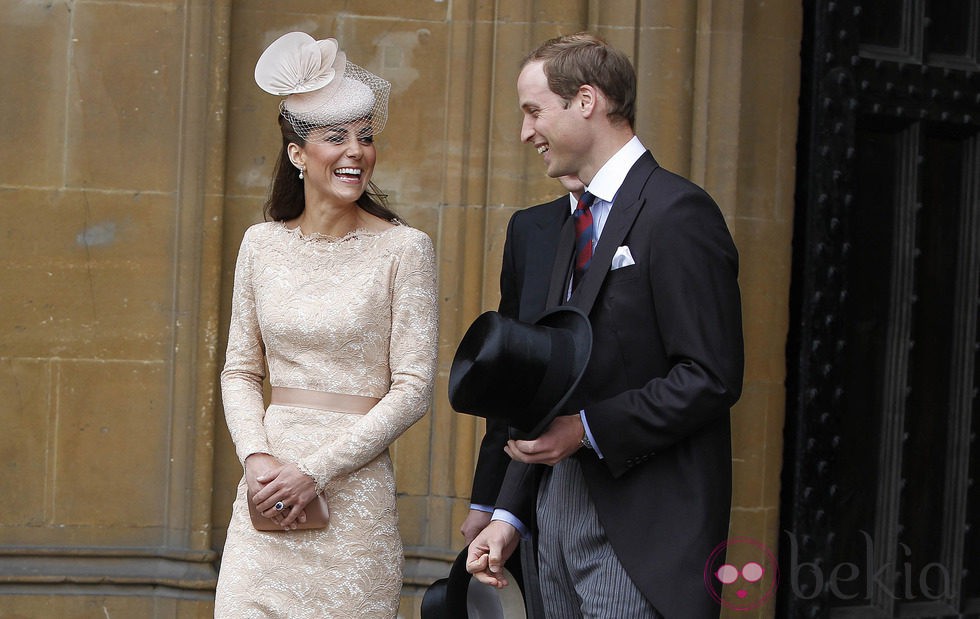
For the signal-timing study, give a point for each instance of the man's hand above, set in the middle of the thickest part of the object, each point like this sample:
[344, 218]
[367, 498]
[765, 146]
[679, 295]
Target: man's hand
[562, 438]
[489, 551]
[475, 522]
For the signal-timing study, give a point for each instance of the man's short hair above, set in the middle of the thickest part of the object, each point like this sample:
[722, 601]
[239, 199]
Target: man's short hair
[573, 60]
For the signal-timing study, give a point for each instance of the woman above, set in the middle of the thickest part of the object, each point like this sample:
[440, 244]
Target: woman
[338, 298]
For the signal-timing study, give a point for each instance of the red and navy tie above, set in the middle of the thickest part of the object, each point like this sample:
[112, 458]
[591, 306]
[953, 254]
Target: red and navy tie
[584, 236]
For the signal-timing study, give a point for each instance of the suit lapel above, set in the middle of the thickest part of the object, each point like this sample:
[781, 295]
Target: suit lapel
[562, 267]
[627, 205]
[541, 253]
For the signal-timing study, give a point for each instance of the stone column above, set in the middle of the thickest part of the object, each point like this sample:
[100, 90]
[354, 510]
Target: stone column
[112, 186]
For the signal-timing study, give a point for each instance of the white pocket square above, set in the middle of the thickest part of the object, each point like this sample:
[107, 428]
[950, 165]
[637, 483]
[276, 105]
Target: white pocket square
[622, 258]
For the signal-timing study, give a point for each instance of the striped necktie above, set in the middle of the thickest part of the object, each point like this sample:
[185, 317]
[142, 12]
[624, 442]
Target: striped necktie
[584, 236]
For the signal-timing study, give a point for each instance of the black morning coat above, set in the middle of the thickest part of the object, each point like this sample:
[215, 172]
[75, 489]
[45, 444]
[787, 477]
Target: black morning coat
[666, 367]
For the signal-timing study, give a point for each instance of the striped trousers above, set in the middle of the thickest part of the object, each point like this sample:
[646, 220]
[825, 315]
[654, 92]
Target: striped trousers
[579, 572]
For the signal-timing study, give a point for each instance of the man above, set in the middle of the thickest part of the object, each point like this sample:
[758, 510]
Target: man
[629, 492]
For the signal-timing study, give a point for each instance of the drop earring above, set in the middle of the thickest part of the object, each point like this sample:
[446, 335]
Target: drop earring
[301, 174]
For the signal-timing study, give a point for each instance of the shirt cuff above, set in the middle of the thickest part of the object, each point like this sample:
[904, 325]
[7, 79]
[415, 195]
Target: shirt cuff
[512, 520]
[588, 433]
[482, 508]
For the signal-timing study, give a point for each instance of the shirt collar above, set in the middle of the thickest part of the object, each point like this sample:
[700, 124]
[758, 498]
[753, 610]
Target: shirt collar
[611, 175]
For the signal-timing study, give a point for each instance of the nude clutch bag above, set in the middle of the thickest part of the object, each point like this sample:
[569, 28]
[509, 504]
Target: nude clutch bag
[317, 516]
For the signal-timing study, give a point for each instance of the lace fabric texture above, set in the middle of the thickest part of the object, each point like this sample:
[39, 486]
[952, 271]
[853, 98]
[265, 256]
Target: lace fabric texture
[355, 315]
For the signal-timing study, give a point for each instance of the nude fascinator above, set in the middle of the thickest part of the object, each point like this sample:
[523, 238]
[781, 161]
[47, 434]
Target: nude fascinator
[321, 87]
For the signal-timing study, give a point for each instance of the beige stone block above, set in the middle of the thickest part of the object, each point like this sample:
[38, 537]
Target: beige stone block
[497, 220]
[619, 14]
[410, 603]
[757, 426]
[667, 15]
[764, 270]
[517, 12]
[257, 24]
[441, 530]
[769, 125]
[443, 456]
[472, 69]
[79, 606]
[469, 433]
[111, 441]
[88, 274]
[423, 217]
[749, 444]
[765, 156]
[567, 16]
[461, 265]
[476, 257]
[767, 143]
[787, 75]
[413, 519]
[460, 509]
[515, 168]
[413, 148]
[239, 213]
[227, 473]
[772, 463]
[719, 141]
[665, 88]
[468, 12]
[782, 20]
[254, 143]
[35, 37]
[125, 96]
[411, 455]
[25, 402]
[433, 10]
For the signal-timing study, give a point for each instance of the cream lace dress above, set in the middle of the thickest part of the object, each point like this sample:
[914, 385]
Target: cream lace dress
[356, 315]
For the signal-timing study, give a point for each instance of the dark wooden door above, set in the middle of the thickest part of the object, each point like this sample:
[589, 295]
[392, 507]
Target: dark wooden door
[880, 501]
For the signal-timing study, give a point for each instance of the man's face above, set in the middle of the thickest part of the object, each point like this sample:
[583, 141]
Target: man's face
[555, 131]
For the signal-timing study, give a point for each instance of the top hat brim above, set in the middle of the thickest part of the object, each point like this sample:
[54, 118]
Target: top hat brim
[573, 320]
[459, 595]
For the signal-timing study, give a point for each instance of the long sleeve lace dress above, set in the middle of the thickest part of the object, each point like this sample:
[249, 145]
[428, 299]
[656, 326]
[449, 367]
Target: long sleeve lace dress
[356, 316]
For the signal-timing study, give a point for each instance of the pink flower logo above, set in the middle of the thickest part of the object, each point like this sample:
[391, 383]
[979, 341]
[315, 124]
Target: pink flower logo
[748, 570]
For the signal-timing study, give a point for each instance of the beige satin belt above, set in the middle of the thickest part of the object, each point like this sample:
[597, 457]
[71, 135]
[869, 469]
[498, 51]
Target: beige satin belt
[322, 400]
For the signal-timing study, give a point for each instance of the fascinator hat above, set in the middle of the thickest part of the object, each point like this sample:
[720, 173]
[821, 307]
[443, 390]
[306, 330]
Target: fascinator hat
[321, 87]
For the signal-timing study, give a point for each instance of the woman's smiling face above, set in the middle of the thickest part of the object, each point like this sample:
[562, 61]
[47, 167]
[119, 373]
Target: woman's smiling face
[337, 161]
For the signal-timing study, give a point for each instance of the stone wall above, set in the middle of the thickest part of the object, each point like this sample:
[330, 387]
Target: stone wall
[136, 149]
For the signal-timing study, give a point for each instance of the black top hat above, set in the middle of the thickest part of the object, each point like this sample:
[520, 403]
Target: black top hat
[521, 372]
[462, 597]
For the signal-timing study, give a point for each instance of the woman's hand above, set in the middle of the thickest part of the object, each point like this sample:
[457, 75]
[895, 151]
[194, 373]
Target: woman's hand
[280, 482]
[286, 484]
